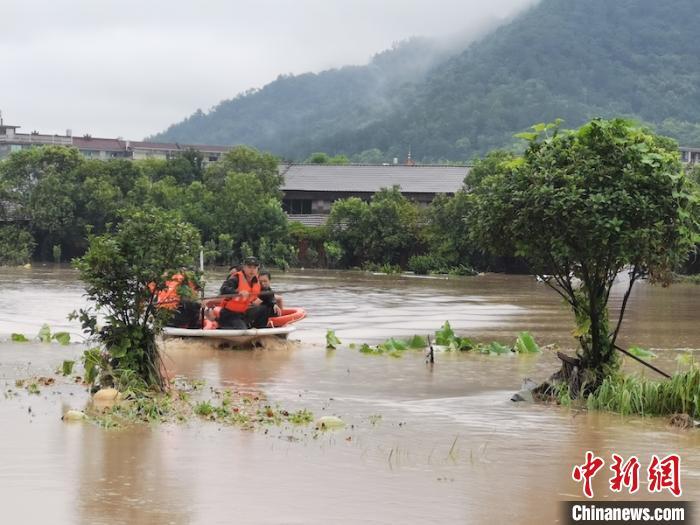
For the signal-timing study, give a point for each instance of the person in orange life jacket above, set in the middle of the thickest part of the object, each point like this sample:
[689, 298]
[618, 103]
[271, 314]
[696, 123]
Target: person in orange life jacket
[267, 296]
[178, 296]
[238, 311]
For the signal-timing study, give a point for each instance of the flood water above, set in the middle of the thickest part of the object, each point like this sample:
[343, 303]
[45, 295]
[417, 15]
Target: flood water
[423, 444]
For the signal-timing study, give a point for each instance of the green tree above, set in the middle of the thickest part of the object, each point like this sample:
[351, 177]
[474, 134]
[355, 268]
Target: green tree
[246, 212]
[117, 270]
[244, 159]
[324, 158]
[497, 161]
[583, 206]
[391, 229]
[447, 231]
[16, 245]
[346, 227]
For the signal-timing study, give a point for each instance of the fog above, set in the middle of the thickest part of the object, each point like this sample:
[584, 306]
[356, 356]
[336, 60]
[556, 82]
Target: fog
[131, 69]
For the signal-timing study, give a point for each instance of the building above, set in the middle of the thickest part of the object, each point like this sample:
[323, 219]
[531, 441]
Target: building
[101, 148]
[690, 155]
[310, 189]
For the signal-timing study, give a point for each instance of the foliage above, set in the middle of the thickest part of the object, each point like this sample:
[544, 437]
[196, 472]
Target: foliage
[446, 337]
[639, 395]
[19, 338]
[642, 353]
[394, 347]
[244, 159]
[584, 205]
[425, 264]
[117, 270]
[67, 367]
[332, 340]
[16, 245]
[44, 334]
[525, 344]
[324, 158]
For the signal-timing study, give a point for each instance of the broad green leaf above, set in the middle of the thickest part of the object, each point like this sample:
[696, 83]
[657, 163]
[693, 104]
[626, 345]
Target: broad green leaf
[444, 335]
[62, 337]
[331, 340]
[119, 351]
[44, 334]
[67, 367]
[366, 349]
[642, 353]
[465, 344]
[526, 135]
[19, 338]
[397, 344]
[525, 344]
[493, 348]
[417, 342]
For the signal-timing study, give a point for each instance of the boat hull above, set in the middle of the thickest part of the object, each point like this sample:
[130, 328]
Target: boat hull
[233, 336]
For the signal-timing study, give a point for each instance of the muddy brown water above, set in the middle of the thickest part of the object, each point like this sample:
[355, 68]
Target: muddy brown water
[440, 444]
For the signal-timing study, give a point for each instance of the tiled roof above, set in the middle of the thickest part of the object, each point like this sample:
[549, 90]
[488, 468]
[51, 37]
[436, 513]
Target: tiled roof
[97, 144]
[371, 178]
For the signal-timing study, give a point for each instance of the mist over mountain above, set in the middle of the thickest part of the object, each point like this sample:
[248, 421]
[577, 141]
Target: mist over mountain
[568, 59]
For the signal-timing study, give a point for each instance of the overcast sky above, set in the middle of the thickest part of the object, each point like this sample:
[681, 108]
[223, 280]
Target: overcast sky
[131, 68]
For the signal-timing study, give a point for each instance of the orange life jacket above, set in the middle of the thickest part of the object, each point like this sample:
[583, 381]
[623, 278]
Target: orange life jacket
[169, 297]
[238, 303]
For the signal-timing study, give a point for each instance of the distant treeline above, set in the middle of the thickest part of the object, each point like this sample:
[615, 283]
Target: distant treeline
[52, 199]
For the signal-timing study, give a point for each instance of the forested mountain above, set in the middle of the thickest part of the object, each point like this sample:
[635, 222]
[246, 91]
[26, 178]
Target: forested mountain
[295, 112]
[569, 59]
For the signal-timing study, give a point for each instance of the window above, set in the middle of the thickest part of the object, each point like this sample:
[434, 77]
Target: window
[297, 206]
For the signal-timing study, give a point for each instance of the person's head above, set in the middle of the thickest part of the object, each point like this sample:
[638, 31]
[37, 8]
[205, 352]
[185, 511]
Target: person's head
[250, 267]
[235, 269]
[265, 279]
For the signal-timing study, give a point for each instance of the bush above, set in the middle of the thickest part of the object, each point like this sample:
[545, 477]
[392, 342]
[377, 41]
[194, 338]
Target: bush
[123, 272]
[639, 395]
[425, 264]
[16, 245]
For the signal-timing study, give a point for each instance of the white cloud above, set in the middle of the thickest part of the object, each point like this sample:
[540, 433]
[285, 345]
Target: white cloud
[131, 68]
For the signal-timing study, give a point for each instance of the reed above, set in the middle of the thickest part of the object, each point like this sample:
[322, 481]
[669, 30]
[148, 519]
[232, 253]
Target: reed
[634, 394]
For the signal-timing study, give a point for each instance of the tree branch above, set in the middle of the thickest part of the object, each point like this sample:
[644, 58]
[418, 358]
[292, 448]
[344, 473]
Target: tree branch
[633, 278]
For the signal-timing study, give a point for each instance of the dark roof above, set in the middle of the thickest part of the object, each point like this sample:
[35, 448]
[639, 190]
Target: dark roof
[98, 144]
[362, 178]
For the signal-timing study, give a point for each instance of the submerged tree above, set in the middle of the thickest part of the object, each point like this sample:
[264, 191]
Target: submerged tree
[583, 206]
[123, 272]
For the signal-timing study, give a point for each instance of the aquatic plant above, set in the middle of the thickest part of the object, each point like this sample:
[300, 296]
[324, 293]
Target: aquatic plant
[634, 394]
[525, 344]
[332, 340]
[67, 367]
[446, 337]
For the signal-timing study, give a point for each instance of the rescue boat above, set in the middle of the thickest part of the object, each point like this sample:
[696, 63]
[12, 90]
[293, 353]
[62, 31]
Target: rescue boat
[280, 326]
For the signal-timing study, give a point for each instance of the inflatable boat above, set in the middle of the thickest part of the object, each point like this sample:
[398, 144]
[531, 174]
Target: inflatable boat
[280, 326]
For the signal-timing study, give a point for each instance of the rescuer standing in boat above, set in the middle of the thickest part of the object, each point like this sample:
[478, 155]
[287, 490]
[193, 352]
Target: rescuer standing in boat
[243, 287]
